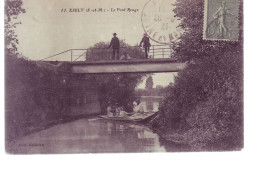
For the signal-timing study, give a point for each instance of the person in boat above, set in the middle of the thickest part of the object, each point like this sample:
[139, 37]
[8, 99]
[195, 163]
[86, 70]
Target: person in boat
[117, 109]
[110, 110]
[138, 107]
[123, 113]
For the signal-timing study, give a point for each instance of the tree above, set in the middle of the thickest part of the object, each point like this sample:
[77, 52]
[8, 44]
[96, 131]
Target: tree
[149, 83]
[116, 88]
[33, 94]
[205, 106]
[100, 52]
[12, 9]
[191, 44]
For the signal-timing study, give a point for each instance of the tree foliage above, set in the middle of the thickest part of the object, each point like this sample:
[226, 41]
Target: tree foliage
[204, 107]
[12, 9]
[116, 88]
[149, 83]
[34, 96]
[100, 52]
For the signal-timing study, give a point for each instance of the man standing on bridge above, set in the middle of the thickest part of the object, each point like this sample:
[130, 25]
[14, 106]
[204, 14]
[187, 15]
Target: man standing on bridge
[115, 45]
[146, 44]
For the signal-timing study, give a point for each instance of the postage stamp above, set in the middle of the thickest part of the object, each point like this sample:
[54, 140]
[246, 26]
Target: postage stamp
[221, 20]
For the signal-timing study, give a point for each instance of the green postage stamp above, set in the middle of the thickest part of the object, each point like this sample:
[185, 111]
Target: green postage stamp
[221, 20]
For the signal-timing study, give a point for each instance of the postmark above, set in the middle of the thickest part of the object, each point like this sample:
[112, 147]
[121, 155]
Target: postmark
[221, 20]
[159, 22]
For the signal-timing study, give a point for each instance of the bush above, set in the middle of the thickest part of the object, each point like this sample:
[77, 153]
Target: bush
[205, 106]
[33, 95]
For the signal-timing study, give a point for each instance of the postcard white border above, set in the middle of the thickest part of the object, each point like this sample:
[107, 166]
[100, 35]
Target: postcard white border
[246, 160]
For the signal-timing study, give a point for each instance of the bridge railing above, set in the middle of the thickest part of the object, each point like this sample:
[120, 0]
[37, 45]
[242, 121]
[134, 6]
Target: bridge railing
[96, 54]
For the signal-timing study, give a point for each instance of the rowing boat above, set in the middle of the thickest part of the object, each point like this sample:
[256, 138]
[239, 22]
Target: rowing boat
[134, 118]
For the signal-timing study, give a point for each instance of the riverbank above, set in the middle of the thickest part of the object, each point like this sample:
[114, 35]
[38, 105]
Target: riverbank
[188, 142]
[203, 128]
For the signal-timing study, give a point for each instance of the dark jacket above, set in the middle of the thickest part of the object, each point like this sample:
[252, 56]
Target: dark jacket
[146, 42]
[114, 43]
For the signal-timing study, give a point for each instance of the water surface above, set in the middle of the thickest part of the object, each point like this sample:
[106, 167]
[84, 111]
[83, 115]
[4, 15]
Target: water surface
[90, 136]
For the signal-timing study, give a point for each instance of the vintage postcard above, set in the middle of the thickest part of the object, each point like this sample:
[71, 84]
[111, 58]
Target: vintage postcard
[112, 76]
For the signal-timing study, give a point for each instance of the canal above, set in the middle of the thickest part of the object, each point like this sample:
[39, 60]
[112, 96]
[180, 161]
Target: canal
[96, 135]
[90, 136]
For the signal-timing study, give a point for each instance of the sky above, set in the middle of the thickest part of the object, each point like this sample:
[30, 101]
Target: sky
[46, 29]
[162, 79]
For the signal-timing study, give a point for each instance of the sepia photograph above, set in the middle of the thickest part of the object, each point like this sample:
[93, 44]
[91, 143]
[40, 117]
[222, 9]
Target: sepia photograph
[123, 76]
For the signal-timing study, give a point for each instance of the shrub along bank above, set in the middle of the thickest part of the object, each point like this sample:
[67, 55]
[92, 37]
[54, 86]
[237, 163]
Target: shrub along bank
[33, 96]
[204, 107]
[37, 97]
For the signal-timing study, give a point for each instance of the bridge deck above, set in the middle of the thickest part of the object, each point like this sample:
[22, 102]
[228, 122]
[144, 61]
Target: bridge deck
[127, 66]
[116, 66]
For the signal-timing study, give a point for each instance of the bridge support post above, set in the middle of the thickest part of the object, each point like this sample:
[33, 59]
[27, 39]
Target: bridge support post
[163, 52]
[153, 51]
[71, 55]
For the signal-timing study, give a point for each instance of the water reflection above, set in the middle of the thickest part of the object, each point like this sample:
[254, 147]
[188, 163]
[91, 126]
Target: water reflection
[91, 136]
[151, 103]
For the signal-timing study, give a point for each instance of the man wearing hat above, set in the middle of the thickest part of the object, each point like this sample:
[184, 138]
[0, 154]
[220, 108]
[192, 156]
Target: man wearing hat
[115, 45]
[146, 44]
